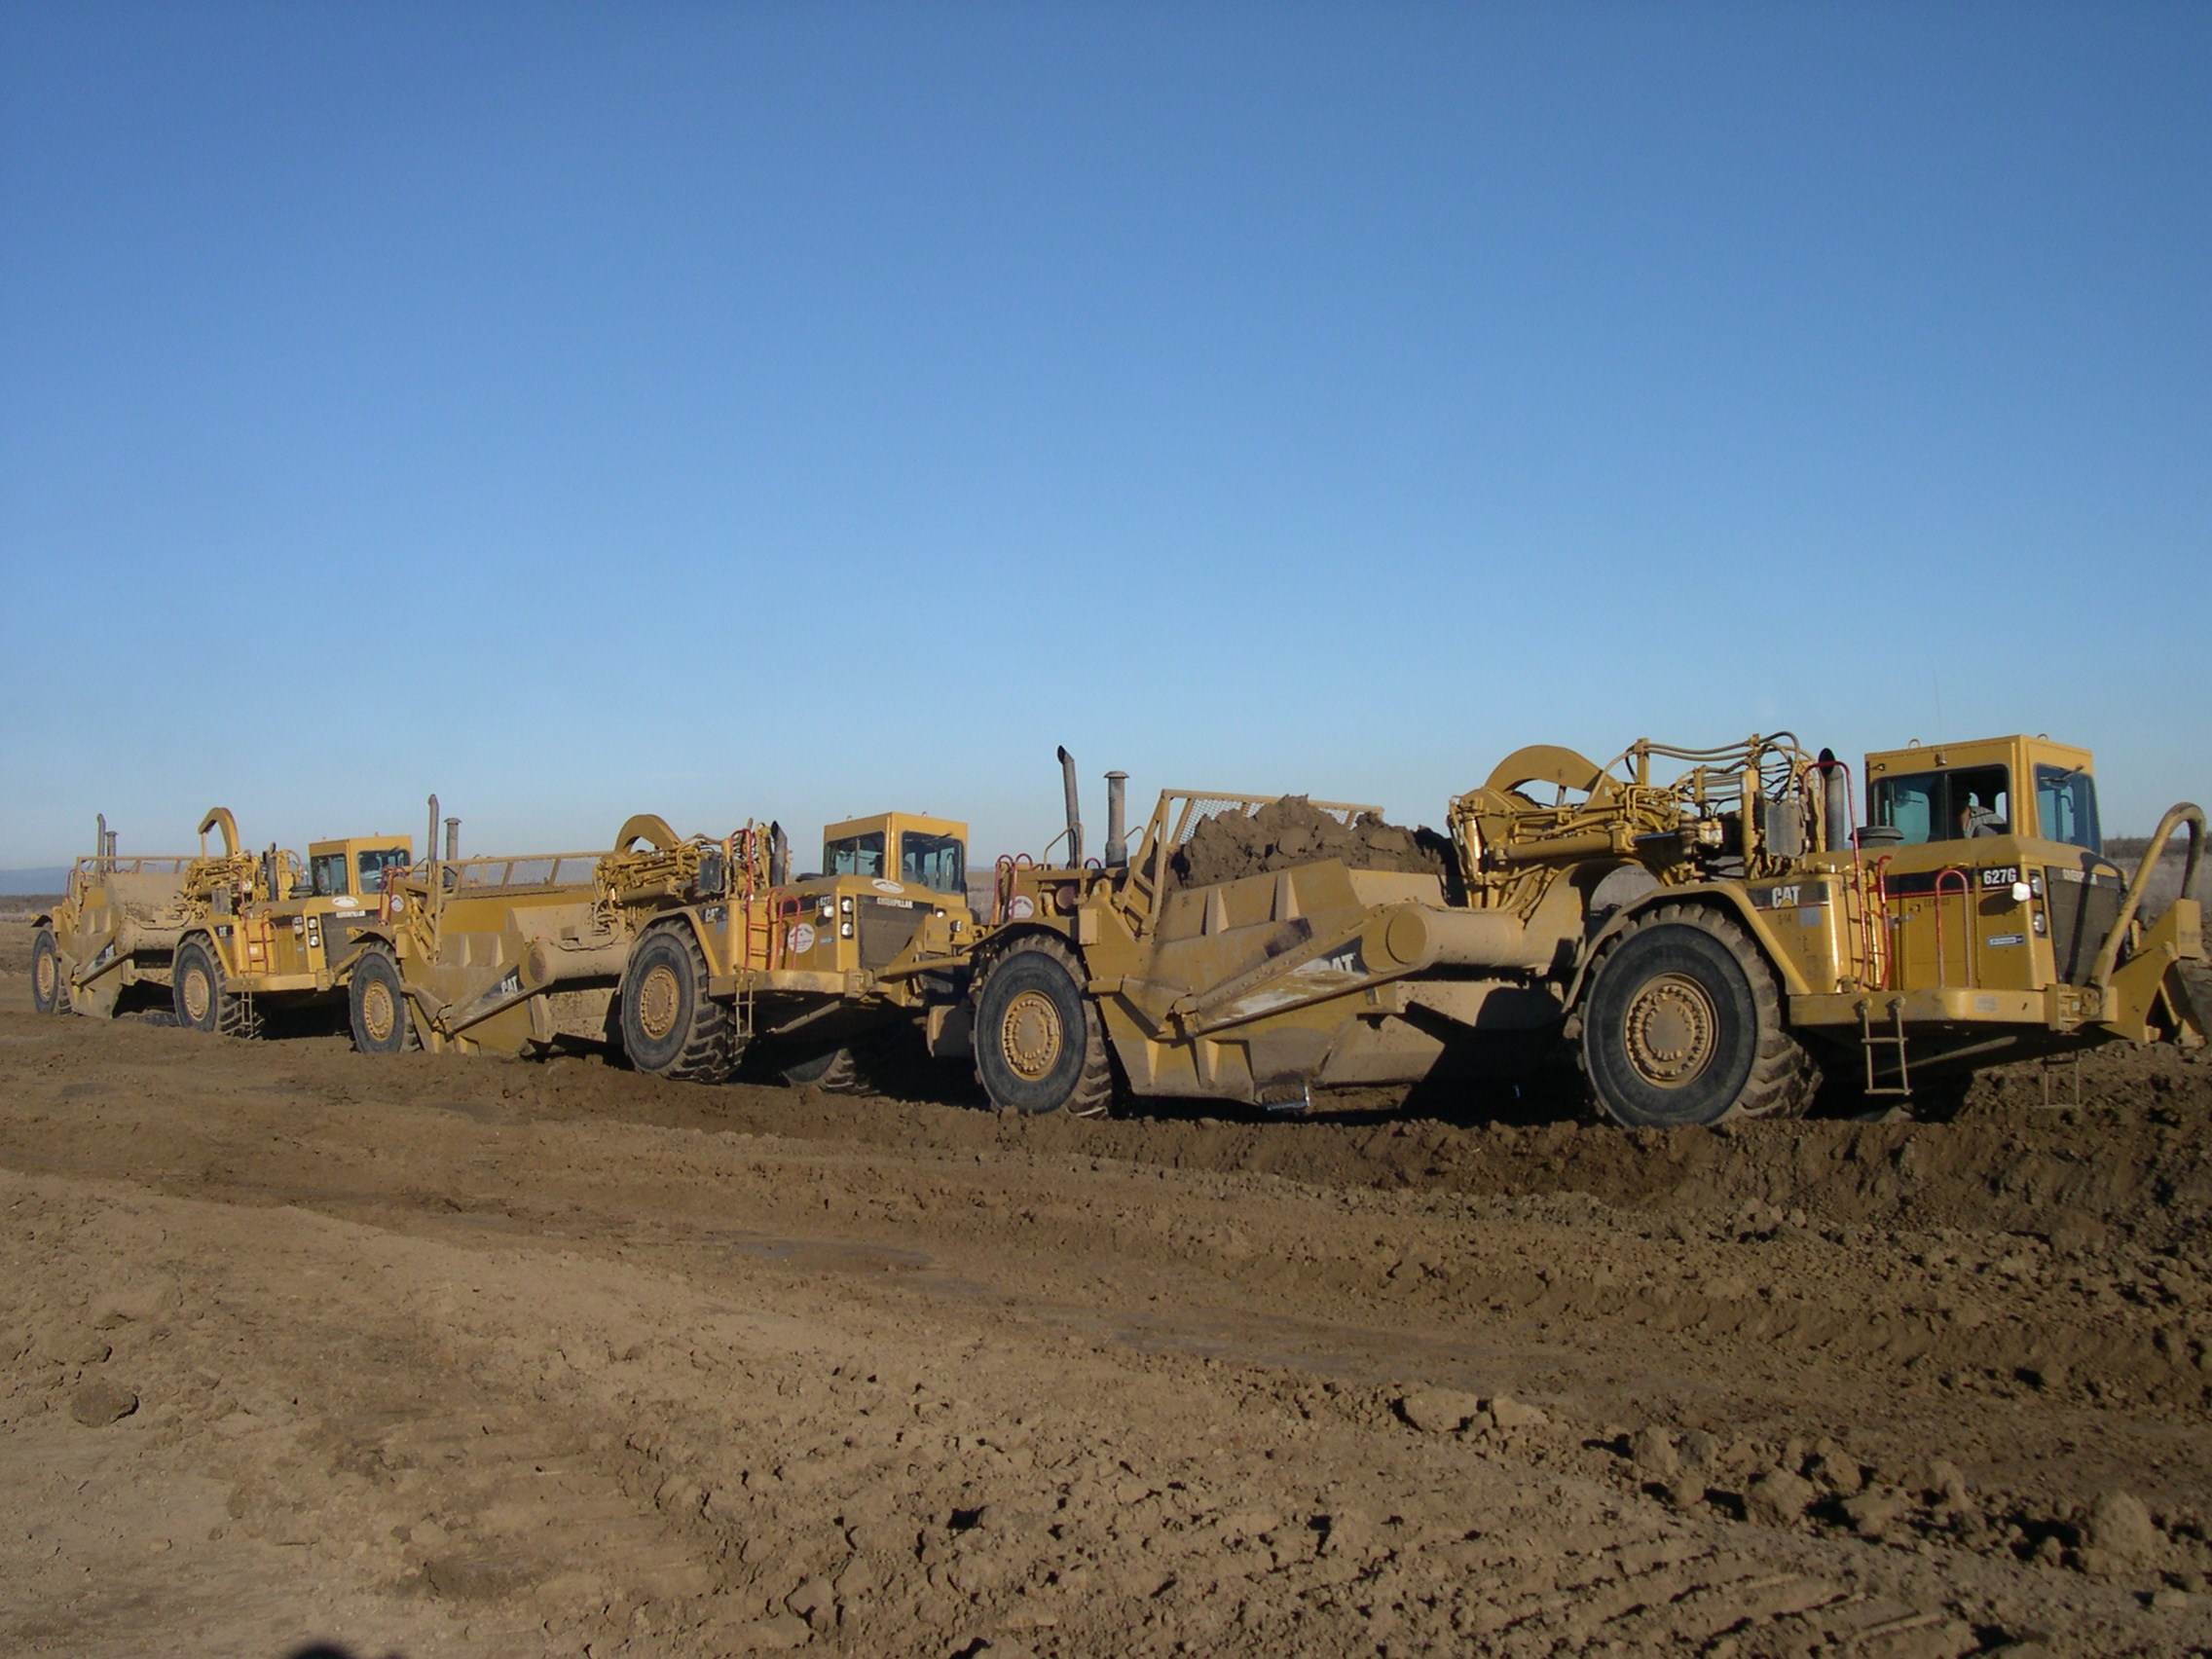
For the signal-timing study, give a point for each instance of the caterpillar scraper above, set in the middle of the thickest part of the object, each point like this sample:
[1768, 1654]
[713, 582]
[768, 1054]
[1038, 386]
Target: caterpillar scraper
[684, 953]
[1710, 945]
[805, 972]
[109, 945]
[498, 955]
[267, 936]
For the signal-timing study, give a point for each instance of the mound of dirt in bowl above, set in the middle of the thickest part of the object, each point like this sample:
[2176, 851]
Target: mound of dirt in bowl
[1292, 830]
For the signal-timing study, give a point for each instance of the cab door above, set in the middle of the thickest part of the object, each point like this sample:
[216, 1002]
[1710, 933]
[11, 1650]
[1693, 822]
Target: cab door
[1948, 864]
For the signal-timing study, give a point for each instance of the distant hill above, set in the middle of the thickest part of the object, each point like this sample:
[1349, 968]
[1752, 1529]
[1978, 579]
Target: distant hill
[17, 881]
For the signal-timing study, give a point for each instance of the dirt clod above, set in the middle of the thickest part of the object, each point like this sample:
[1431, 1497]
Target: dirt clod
[1778, 1497]
[96, 1405]
[1440, 1411]
[2121, 1524]
[1509, 1413]
[1652, 1450]
[1839, 1473]
[1871, 1513]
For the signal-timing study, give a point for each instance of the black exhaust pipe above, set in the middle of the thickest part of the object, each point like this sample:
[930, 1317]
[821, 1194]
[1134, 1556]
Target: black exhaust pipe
[1835, 803]
[1075, 812]
[1117, 825]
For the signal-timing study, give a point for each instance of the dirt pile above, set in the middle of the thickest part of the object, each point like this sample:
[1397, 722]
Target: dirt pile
[1292, 830]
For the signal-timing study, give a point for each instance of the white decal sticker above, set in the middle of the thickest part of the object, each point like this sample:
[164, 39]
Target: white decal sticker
[883, 886]
[802, 939]
[1995, 939]
[1022, 909]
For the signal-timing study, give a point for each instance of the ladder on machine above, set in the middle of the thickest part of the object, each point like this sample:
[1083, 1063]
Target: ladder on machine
[755, 929]
[1869, 1039]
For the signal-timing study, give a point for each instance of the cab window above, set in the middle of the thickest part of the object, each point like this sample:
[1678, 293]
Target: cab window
[2066, 807]
[935, 862]
[327, 875]
[1946, 806]
[855, 855]
[373, 865]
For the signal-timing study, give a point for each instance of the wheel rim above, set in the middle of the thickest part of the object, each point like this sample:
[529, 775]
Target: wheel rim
[379, 1014]
[198, 995]
[1672, 1031]
[657, 1001]
[1030, 1035]
[41, 977]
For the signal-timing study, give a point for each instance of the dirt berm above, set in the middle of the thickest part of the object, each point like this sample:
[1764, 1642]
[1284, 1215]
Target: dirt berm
[1292, 830]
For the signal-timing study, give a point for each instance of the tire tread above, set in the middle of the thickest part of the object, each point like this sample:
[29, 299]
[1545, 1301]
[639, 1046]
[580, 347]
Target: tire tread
[709, 1053]
[410, 1040]
[44, 941]
[1785, 1076]
[1093, 1093]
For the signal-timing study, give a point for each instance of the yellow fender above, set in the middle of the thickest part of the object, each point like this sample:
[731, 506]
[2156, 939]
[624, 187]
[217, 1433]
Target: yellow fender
[219, 818]
[1731, 900]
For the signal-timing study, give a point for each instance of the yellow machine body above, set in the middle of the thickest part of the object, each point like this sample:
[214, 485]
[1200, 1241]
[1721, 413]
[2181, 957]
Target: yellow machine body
[811, 964]
[509, 954]
[1970, 918]
[282, 931]
[114, 929]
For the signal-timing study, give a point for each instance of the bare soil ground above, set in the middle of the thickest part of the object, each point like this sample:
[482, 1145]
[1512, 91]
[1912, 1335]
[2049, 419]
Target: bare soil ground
[435, 1355]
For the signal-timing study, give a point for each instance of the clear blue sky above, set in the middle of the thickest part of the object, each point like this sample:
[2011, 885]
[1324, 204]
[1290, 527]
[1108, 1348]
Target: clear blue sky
[797, 409]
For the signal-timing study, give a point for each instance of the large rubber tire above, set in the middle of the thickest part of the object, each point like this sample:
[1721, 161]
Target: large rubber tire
[1682, 1025]
[50, 981]
[376, 1003]
[837, 1072]
[671, 1027]
[195, 992]
[1040, 1044]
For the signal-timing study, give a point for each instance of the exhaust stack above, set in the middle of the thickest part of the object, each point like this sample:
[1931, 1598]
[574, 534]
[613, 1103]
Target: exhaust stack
[1117, 825]
[779, 856]
[1835, 803]
[430, 838]
[452, 840]
[1075, 813]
